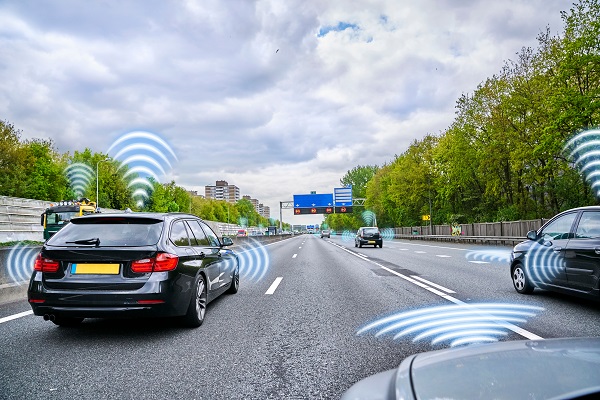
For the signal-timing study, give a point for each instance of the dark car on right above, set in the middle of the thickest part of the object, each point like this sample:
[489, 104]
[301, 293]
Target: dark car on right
[562, 256]
[368, 235]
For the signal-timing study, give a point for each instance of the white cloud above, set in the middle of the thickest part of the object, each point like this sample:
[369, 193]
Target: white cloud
[248, 91]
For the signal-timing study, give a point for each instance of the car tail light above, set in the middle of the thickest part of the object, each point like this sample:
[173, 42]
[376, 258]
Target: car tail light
[44, 264]
[142, 266]
[161, 263]
[165, 262]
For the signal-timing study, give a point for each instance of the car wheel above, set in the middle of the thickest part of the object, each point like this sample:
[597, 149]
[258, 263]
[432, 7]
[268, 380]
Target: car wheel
[66, 321]
[355, 244]
[359, 244]
[520, 280]
[235, 282]
[197, 308]
[381, 245]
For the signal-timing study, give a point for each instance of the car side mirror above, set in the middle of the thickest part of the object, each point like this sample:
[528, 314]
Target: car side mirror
[226, 241]
[532, 235]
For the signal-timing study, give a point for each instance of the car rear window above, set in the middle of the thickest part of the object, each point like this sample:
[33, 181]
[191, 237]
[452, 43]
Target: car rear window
[109, 232]
[370, 231]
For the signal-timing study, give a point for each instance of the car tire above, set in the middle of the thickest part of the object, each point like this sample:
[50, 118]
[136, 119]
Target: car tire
[355, 244]
[520, 280]
[235, 282]
[360, 245]
[67, 321]
[381, 245]
[197, 308]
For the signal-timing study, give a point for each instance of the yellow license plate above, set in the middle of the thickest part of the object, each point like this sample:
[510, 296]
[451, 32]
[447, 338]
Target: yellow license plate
[96, 269]
[371, 241]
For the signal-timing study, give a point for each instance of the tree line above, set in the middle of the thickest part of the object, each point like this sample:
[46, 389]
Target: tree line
[34, 169]
[502, 158]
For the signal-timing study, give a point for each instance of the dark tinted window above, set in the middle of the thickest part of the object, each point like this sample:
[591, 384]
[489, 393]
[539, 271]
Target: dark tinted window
[199, 238]
[179, 235]
[214, 241]
[110, 232]
[370, 231]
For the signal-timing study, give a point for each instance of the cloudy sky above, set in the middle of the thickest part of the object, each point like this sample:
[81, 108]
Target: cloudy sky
[276, 97]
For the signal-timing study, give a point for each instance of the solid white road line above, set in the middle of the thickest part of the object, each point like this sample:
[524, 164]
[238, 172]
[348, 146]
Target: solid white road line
[15, 316]
[479, 262]
[274, 285]
[432, 284]
[507, 325]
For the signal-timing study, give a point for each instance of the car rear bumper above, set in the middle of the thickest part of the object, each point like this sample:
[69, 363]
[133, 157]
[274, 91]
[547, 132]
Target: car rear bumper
[368, 242]
[157, 298]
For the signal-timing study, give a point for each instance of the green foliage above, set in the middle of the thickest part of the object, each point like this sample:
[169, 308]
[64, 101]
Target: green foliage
[502, 157]
[358, 177]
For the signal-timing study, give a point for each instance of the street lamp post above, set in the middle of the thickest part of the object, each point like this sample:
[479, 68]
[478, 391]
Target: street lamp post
[106, 159]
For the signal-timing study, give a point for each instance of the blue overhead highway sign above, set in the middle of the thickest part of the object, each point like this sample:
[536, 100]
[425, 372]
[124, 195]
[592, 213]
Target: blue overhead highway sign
[313, 200]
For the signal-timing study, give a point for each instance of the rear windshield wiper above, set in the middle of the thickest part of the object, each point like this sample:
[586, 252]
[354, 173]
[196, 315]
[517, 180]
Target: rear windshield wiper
[94, 241]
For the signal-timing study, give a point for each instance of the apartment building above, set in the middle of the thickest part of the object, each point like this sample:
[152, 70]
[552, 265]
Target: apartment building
[261, 209]
[222, 191]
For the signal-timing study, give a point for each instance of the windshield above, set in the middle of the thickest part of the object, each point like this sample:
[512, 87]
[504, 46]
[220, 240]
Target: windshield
[128, 232]
[60, 218]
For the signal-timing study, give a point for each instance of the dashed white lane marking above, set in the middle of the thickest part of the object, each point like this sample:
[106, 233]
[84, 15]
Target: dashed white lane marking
[403, 249]
[15, 316]
[479, 262]
[428, 287]
[274, 285]
[295, 255]
[300, 247]
[420, 252]
[432, 284]
[442, 256]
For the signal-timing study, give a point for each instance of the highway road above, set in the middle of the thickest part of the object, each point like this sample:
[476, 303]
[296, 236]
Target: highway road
[291, 335]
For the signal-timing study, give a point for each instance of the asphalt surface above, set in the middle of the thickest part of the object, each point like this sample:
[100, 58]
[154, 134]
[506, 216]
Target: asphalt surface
[297, 340]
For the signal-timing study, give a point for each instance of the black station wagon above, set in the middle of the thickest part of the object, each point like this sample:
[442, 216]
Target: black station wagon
[563, 255]
[132, 265]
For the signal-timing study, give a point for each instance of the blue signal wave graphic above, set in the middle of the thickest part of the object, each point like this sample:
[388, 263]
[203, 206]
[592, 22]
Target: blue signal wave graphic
[584, 150]
[499, 255]
[147, 157]
[543, 264]
[19, 263]
[456, 324]
[79, 176]
[387, 233]
[348, 236]
[368, 217]
[254, 261]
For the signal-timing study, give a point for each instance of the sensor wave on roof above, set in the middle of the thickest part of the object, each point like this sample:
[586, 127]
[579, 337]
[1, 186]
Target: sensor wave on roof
[79, 175]
[146, 157]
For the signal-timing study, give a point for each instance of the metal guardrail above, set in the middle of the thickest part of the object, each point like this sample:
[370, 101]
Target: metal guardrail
[502, 240]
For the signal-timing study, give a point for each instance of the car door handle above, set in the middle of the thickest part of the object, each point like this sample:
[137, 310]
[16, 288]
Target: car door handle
[556, 249]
